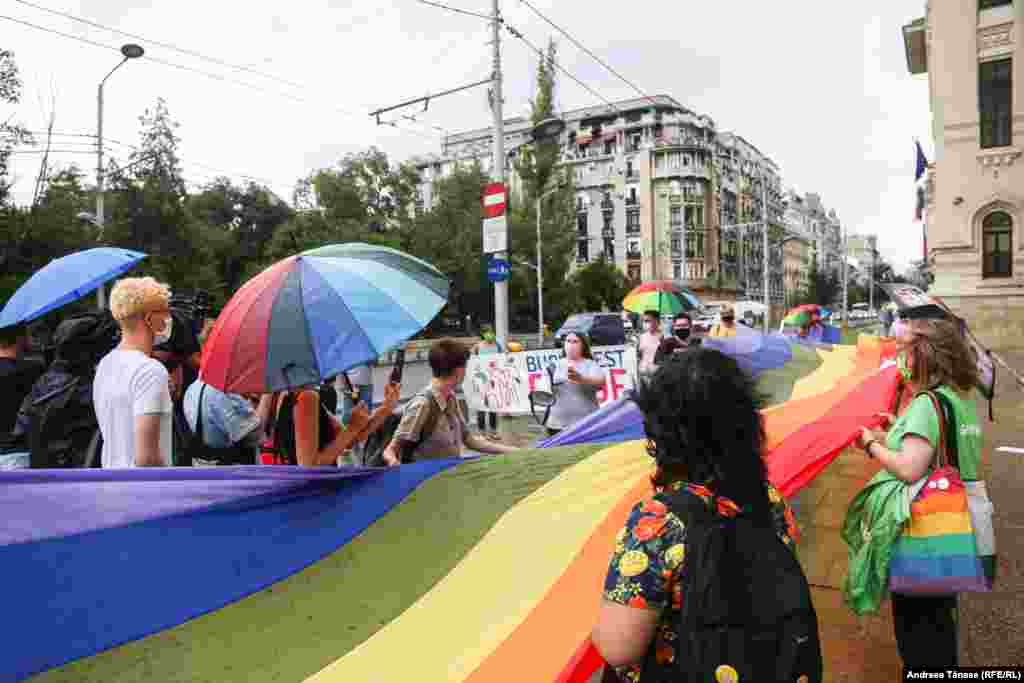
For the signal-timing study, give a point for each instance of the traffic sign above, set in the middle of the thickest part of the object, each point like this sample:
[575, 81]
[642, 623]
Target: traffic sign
[494, 200]
[498, 270]
[495, 226]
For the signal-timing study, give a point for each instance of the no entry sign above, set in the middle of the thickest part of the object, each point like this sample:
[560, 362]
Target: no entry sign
[494, 224]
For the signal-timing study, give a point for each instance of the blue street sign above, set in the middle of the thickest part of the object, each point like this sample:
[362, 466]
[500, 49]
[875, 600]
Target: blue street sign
[498, 270]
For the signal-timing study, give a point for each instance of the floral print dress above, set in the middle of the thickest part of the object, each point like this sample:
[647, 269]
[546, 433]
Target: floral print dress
[649, 552]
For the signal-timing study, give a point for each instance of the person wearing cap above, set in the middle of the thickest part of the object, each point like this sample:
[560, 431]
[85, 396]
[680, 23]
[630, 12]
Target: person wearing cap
[130, 392]
[726, 327]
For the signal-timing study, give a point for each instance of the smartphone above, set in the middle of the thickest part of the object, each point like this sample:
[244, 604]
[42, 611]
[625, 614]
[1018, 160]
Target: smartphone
[396, 372]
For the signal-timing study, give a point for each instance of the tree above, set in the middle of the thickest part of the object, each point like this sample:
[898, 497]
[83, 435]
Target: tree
[823, 288]
[597, 286]
[150, 210]
[245, 219]
[11, 134]
[537, 166]
[366, 198]
[450, 237]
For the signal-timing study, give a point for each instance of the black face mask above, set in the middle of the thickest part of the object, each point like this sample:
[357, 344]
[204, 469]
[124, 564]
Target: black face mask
[682, 332]
[728, 319]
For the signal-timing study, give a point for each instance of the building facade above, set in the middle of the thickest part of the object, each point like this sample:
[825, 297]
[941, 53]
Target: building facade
[863, 249]
[660, 192]
[975, 187]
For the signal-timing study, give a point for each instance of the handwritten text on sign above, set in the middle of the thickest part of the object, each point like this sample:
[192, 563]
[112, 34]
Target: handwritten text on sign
[501, 383]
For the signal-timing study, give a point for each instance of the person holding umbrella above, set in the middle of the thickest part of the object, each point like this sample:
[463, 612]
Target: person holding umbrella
[305, 433]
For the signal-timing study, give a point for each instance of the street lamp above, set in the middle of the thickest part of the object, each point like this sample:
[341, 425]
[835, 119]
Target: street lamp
[130, 51]
[547, 130]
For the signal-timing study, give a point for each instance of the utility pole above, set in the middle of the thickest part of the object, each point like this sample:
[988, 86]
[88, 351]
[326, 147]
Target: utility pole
[498, 173]
[846, 314]
[871, 279]
[766, 260]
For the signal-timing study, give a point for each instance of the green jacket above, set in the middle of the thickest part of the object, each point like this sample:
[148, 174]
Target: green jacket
[874, 521]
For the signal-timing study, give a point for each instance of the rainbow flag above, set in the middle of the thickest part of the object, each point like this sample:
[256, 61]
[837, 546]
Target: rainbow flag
[476, 570]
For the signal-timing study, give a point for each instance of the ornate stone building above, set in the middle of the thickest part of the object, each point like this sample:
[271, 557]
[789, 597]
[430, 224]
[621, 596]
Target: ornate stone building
[975, 198]
[659, 191]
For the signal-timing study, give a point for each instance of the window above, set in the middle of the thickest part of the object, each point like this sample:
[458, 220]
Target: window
[633, 248]
[632, 196]
[675, 220]
[997, 245]
[581, 223]
[632, 221]
[609, 147]
[582, 251]
[989, 4]
[995, 102]
[676, 246]
[677, 271]
[634, 273]
[608, 216]
[609, 249]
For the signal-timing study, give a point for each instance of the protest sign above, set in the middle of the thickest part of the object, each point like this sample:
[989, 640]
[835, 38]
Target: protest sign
[501, 383]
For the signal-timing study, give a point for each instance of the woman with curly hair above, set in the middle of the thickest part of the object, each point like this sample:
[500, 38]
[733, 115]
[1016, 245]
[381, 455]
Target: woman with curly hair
[934, 356]
[705, 433]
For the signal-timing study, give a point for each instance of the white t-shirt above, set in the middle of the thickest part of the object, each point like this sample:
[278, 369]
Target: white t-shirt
[129, 384]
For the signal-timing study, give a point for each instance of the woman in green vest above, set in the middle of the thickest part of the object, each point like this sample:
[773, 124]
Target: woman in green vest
[933, 356]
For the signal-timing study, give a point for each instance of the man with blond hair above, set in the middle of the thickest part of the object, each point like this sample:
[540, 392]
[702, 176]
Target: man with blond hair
[130, 392]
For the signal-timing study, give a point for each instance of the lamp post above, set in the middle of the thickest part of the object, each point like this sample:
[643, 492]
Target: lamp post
[130, 51]
[547, 130]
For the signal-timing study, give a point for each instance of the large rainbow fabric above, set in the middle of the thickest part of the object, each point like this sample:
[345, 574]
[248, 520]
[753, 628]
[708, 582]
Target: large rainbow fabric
[937, 553]
[478, 570]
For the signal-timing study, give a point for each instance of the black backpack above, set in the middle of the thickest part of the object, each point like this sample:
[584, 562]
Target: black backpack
[377, 442]
[746, 603]
[61, 428]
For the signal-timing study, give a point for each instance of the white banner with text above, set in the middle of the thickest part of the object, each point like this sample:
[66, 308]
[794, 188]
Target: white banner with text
[502, 382]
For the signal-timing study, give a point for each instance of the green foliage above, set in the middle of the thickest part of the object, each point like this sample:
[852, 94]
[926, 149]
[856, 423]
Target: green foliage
[597, 286]
[823, 288]
[450, 236]
[11, 134]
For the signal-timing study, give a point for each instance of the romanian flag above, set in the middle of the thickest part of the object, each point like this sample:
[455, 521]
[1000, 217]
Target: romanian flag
[483, 570]
[920, 168]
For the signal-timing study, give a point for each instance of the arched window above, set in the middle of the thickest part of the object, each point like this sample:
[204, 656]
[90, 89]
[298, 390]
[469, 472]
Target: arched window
[997, 245]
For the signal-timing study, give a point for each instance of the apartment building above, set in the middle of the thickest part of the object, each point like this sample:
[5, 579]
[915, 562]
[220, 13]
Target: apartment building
[659, 192]
[863, 250]
[970, 51]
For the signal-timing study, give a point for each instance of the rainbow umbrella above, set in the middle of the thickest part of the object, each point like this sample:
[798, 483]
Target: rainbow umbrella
[803, 315]
[664, 296]
[314, 315]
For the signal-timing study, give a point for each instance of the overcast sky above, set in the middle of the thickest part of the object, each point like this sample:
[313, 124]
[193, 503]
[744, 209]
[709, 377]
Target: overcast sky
[821, 87]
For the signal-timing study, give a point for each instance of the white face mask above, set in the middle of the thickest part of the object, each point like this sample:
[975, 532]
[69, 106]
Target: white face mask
[164, 335]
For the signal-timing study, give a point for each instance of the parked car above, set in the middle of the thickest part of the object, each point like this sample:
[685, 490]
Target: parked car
[603, 329]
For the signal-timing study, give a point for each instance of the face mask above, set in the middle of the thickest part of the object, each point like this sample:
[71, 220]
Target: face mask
[728, 319]
[682, 332]
[164, 335]
[903, 365]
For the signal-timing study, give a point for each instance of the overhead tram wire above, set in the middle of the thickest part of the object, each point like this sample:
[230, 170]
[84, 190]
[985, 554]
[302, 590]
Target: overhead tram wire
[344, 112]
[518, 34]
[168, 46]
[171, 46]
[582, 47]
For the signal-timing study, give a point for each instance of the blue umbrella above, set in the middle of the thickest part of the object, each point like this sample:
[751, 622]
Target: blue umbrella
[64, 280]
